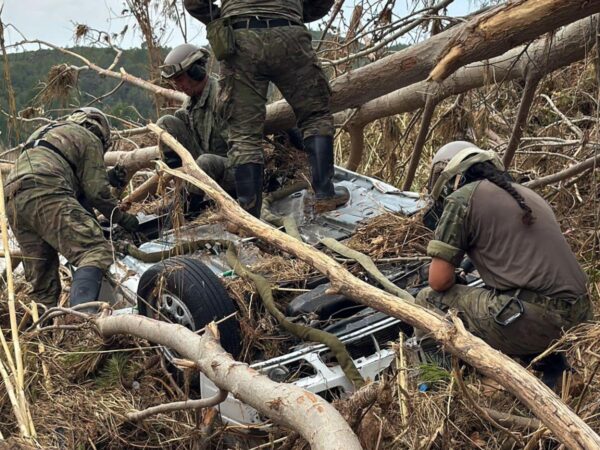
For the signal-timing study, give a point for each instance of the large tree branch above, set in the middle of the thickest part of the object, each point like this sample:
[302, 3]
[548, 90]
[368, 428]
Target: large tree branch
[503, 28]
[121, 75]
[563, 422]
[288, 405]
[414, 63]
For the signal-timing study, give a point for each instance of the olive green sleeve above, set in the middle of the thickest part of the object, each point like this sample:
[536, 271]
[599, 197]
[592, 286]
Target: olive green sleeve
[94, 181]
[451, 235]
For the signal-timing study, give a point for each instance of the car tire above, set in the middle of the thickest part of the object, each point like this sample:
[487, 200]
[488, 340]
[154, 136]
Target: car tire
[191, 295]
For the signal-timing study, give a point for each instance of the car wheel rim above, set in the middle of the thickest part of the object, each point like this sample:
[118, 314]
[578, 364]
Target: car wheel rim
[170, 307]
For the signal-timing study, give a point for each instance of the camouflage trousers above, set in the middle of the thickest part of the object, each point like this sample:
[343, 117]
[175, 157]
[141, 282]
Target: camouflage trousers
[542, 321]
[285, 57]
[215, 166]
[48, 224]
[180, 131]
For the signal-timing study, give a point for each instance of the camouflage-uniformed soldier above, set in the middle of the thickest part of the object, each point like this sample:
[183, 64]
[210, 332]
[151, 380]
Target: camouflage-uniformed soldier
[272, 45]
[196, 125]
[60, 170]
[534, 287]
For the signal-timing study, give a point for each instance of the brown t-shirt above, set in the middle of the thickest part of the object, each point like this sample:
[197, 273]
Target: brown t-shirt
[484, 221]
[288, 9]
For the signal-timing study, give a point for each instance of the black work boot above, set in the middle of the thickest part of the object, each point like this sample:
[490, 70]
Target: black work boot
[320, 154]
[86, 287]
[248, 185]
[552, 368]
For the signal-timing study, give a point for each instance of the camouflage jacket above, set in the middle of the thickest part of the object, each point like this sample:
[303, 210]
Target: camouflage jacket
[288, 9]
[200, 115]
[51, 174]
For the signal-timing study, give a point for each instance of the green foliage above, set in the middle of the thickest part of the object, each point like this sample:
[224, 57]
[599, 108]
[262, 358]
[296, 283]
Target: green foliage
[29, 71]
[433, 373]
[113, 372]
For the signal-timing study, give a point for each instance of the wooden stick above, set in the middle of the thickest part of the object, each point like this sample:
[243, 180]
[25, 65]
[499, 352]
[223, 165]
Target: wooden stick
[564, 423]
[430, 105]
[531, 83]
[219, 397]
[564, 174]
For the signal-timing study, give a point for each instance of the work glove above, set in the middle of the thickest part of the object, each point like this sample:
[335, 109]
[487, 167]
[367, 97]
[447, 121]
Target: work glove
[117, 177]
[129, 222]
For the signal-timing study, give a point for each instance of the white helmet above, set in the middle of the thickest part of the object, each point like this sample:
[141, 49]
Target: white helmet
[454, 159]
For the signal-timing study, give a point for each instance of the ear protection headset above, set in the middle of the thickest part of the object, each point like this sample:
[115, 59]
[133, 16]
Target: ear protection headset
[197, 72]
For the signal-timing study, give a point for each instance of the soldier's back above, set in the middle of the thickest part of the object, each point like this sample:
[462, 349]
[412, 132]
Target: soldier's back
[54, 169]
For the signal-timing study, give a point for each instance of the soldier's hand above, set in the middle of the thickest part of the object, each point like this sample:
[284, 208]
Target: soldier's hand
[129, 222]
[117, 176]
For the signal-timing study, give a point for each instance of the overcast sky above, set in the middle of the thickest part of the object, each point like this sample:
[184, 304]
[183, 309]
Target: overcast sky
[54, 20]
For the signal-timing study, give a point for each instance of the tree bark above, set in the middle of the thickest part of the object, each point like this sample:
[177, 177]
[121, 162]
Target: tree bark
[430, 105]
[133, 160]
[564, 423]
[290, 406]
[357, 146]
[507, 26]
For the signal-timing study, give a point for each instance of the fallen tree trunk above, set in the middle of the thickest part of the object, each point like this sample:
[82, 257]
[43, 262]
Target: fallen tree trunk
[316, 420]
[414, 63]
[133, 160]
[564, 423]
[503, 28]
[568, 46]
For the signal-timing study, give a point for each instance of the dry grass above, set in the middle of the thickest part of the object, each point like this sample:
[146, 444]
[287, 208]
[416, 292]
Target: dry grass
[61, 81]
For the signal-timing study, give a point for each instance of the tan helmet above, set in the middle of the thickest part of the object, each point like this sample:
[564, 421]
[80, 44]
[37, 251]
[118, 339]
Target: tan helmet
[182, 58]
[94, 120]
[454, 159]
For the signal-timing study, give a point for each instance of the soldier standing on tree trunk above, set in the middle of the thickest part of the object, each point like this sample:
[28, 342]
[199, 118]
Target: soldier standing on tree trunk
[262, 41]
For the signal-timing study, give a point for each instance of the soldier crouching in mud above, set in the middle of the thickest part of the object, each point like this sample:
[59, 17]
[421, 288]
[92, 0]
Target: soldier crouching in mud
[197, 126]
[534, 287]
[61, 169]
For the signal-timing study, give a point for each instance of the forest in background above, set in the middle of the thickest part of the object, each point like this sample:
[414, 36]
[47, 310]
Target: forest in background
[29, 73]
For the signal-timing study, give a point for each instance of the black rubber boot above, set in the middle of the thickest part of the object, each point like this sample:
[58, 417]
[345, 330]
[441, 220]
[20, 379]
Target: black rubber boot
[552, 368]
[320, 154]
[86, 286]
[248, 185]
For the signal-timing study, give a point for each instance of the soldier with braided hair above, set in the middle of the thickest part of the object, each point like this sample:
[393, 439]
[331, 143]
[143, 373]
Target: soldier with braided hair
[534, 287]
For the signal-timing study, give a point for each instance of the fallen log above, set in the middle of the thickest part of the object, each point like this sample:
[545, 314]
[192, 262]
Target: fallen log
[507, 26]
[133, 160]
[413, 64]
[316, 420]
[569, 428]
[546, 55]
